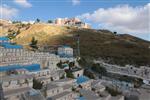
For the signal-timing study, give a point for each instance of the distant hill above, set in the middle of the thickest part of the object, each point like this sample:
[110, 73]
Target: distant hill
[117, 49]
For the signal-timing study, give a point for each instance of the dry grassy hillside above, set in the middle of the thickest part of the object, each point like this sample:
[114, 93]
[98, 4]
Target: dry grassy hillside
[42, 32]
[7, 27]
[119, 49]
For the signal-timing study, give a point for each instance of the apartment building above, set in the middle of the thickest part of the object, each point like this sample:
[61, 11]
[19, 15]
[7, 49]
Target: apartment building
[72, 22]
[16, 81]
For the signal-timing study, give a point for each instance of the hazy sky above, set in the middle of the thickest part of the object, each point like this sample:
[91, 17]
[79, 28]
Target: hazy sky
[123, 16]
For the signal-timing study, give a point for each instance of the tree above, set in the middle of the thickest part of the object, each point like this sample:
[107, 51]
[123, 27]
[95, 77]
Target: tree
[71, 65]
[37, 20]
[69, 74]
[49, 21]
[82, 62]
[113, 91]
[115, 32]
[15, 22]
[18, 32]
[34, 43]
[60, 64]
[10, 30]
[37, 84]
[11, 35]
[89, 74]
[99, 69]
[137, 83]
[52, 79]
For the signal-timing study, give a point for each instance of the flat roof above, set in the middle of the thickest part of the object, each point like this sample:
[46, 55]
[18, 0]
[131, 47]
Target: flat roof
[67, 86]
[16, 77]
[65, 46]
[16, 91]
[34, 95]
[82, 79]
[89, 95]
[51, 86]
[116, 97]
[60, 95]
[81, 98]
[30, 67]
[4, 38]
[10, 46]
[64, 80]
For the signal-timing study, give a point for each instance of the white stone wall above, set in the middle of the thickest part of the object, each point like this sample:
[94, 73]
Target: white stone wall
[78, 73]
[16, 83]
[23, 57]
[54, 91]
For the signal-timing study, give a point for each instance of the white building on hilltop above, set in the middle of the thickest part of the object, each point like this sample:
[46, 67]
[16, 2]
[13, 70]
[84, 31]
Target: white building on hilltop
[72, 22]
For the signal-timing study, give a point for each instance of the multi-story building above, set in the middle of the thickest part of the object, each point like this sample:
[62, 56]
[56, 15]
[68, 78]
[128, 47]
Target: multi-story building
[60, 90]
[16, 81]
[72, 22]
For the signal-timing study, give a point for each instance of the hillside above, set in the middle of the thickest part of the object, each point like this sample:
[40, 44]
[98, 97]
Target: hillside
[118, 49]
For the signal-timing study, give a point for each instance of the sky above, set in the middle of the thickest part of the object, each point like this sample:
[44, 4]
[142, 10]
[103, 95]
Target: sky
[122, 16]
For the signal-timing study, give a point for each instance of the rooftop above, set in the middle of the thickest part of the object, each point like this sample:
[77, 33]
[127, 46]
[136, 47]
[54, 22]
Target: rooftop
[16, 91]
[117, 97]
[67, 86]
[51, 86]
[34, 95]
[4, 38]
[10, 46]
[81, 98]
[15, 77]
[31, 67]
[82, 79]
[89, 95]
[65, 46]
[64, 80]
[59, 95]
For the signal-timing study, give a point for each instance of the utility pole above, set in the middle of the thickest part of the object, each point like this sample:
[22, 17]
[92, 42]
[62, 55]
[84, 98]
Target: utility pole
[78, 46]
[1, 92]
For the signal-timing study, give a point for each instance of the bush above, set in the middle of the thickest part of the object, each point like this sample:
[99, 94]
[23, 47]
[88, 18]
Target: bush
[37, 84]
[99, 69]
[69, 74]
[34, 43]
[49, 21]
[59, 65]
[112, 91]
[71, 64]
[115, 33]
[137, 83]
[89, 74]
[82, 62]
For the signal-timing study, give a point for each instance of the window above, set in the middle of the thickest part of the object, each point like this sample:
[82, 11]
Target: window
[52, 91]
[57, 90]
